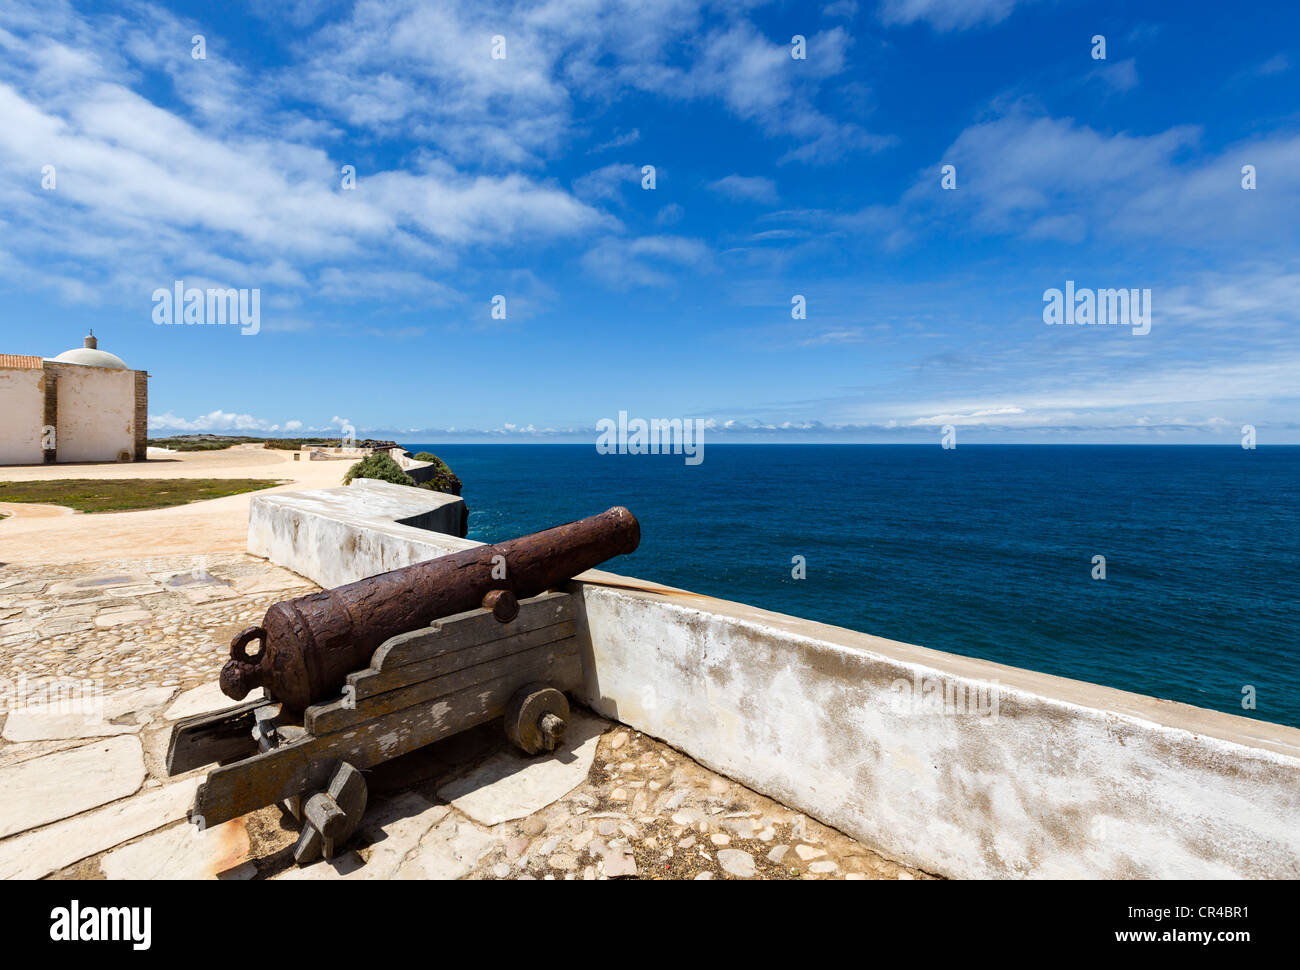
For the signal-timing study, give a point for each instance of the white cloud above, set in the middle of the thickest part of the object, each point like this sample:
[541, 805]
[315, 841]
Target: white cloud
[143, 192]
[669, 215]
[215, 421]
[426, 71]
[619, 141]
[761, 83]
[974, 417]
[363, 284]
[844, 336]
[946, 15]
[748, 188]
[1119, 76]
[606, 184]
[1044, 178]
[644, 261]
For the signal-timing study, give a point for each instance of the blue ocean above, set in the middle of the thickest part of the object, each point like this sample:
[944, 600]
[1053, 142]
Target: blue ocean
[986, 551]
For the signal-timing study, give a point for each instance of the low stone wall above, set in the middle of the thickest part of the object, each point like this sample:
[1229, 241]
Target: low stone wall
[960, 767]
[350, 532]
[323, 453]
[418, 471]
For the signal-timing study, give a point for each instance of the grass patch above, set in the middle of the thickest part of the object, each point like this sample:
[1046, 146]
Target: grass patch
[216, 442]
[219, 442]
[200, 443]
[126, 494]
[293, 444]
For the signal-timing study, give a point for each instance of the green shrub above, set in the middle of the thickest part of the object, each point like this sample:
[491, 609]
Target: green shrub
[444, 479]
[380, 467]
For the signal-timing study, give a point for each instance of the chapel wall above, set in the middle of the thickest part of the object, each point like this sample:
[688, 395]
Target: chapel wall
[22, 408]
[96, 417]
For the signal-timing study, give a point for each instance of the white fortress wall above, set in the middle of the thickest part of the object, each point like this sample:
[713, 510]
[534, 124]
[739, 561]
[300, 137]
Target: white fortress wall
[22, 414]
[96, 412]
[332, 533]
[958, 766]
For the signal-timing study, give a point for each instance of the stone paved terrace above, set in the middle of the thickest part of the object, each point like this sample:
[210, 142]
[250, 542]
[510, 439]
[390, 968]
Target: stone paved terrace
[86, 794]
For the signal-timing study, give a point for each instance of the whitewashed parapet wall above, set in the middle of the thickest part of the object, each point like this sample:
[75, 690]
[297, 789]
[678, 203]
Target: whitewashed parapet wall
[339, 535]
[960, 767]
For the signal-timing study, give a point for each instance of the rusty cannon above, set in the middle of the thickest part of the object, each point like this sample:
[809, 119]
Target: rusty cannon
[366, 672]
[309, 645]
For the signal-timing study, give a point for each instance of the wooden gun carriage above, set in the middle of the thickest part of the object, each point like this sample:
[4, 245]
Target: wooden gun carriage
[306, 743]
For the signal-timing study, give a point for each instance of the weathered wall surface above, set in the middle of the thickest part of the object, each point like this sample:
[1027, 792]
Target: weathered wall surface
[1018, 774]
[96, 413]
[368, 525]
[419, 471]
[22, 413]
[1011, 774]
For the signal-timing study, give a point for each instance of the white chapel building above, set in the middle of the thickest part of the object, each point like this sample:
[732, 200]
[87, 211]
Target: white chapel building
[83, 405]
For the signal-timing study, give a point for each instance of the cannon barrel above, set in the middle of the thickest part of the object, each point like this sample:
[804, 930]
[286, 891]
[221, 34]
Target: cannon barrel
[308, 645]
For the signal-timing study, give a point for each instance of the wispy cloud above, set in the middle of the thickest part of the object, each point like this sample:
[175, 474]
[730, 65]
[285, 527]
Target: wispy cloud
[1119, 76]
[846, 336]
[607, 184]
[1047, 178]
[946, 15]
[748, 188]
[619, 141]
[217, 421]
[644, 261]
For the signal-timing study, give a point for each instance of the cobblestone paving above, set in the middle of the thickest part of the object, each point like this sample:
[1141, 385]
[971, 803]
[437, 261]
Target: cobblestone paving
[151, 635]
[650, 811]
[133, 623]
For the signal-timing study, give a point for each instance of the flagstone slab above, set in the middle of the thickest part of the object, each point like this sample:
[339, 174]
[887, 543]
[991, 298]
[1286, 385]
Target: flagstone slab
[394, 828]
[95, 720]
[268, 582]
[203, 699]
[65, 625]
[44, 790]
[13, 753]
[509, 785]
[36, 854]
[120, 616]
[185, 852]
[450, 850]
[139, 702]
[29, 725]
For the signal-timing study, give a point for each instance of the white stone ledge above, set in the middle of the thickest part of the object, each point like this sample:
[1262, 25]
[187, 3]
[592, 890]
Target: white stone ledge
[1067, 780]
[338, 535]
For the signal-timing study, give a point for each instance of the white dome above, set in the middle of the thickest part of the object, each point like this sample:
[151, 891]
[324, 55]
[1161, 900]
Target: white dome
[91, 358]
[90, 355]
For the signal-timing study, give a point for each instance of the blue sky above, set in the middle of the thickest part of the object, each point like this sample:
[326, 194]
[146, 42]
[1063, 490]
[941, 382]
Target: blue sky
[774, 176]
